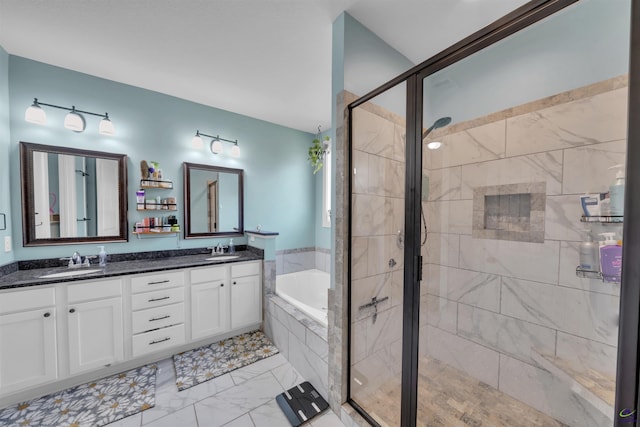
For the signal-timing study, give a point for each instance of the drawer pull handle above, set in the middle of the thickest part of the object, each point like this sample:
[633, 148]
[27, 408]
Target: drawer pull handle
[159, 341]
[222, 285]
[159, 318]
[73, 310]
[157, 283]
[235, 283]
[158, 299]
[47, 314]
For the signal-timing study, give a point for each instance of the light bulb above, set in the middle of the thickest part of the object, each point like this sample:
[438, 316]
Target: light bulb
[35, 114]
[216, 146]
[106, 126]
[74, 121]
[196, 142]
[235, 151]
[434, 145]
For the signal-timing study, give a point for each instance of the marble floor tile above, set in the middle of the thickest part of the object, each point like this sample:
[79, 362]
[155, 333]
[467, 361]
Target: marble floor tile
[184, 417]
[269, 415]
[260, 367]
[236, 401]
[134, 420]
[169, 399]
[327, 419]
[243, 421]
[287, 376]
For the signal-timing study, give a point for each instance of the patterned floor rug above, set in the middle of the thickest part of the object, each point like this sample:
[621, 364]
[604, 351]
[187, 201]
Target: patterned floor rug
[205, 363]
[93, 404]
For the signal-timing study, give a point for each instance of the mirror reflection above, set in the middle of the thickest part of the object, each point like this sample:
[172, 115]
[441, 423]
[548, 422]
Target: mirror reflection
[72, 195]
[213, 201]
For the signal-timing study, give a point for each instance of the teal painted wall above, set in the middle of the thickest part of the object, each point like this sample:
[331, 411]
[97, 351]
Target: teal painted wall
[585, 43]
[279, 186]
[370, 62]
[5, 138]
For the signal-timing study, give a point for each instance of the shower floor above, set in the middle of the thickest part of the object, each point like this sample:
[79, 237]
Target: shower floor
[449, 397]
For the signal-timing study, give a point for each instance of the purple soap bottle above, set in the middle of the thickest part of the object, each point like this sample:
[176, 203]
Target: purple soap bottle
[610, 258]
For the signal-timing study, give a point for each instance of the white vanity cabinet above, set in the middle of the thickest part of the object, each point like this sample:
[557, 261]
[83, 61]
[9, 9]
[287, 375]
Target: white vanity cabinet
[157, 304]
[94, 316]
[28, 350]
[63, 334]
[209, 301]
[246, 296]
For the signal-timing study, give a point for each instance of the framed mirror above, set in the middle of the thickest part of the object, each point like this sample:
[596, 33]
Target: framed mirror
[213, 201]
[72, 196]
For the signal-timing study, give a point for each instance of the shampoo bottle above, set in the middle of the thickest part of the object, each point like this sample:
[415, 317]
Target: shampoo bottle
[610, 258]
[616, 192]
[588, 253]
[102, 257]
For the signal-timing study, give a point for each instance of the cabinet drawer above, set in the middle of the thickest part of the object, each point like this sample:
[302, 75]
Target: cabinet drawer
[202, 275]
[159, 317]
[241, 270]
[152, 282]
[26, 299]
[157, 298]
[94, 290]
[158, 340]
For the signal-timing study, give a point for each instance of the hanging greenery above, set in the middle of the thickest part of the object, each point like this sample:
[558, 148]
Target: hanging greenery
[317, 151]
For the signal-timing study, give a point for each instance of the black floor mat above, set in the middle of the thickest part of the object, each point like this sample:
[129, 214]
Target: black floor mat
[301, 403]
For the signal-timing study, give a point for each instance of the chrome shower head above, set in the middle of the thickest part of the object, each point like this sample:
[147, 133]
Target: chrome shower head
[440, 123]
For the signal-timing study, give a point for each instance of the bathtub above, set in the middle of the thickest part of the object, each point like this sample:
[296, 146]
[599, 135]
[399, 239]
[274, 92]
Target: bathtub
[307, 290]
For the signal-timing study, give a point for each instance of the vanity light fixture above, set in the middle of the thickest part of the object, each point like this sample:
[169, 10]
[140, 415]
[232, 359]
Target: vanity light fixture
[35, 114]
[216, 143]
[74, 120]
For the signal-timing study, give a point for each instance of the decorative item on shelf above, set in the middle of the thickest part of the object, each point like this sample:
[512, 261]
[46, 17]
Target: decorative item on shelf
[74, 120]
[216, 143]
[156, 225]
[320, 147]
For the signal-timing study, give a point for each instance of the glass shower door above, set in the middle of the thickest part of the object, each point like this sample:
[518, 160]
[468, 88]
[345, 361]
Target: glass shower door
[517, 326]
[377, 254]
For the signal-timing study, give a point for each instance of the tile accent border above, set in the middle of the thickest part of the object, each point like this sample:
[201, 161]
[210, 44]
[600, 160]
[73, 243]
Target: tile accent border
[300, 259]
[549, 101]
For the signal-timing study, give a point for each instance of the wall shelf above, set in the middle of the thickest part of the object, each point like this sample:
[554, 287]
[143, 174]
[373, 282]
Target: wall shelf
[588, 274]
[152, 206]
[156, 184]
[603, 219]
[145, 234]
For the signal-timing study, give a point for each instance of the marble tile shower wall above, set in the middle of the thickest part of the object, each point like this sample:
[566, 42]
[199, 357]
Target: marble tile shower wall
[492, 305]
[377, 257]
[294, 260]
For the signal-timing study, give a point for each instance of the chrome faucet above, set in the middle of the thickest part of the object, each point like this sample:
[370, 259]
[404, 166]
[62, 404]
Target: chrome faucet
[77, 260]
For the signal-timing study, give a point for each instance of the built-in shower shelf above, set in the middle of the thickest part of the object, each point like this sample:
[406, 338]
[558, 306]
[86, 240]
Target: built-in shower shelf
[597, 388]
[603, 219]
[588, 274]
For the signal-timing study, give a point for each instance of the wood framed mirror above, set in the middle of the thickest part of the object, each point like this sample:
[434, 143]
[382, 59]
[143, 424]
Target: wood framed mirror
[72, 196]
[213, 201]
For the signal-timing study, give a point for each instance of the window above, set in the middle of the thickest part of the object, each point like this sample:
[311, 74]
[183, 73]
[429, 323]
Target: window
[326, 187]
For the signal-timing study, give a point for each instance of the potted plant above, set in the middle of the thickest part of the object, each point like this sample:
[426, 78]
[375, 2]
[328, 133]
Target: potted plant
[317, 151]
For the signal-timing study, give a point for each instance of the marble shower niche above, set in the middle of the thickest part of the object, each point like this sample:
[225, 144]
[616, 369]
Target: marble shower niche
[510, 212]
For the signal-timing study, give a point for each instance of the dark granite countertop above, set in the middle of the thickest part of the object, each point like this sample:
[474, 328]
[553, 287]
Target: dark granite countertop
[32, 277]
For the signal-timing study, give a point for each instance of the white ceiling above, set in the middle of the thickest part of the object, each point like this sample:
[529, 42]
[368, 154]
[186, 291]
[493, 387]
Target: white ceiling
[268, 59]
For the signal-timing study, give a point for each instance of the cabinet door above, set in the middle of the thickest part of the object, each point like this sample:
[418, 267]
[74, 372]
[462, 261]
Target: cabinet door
[209, 309]
[96, 336]
[27, 349]
[245, 301]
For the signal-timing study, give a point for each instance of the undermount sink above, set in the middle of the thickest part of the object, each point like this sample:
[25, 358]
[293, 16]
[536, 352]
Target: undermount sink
[70, 273]
[223, 257]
